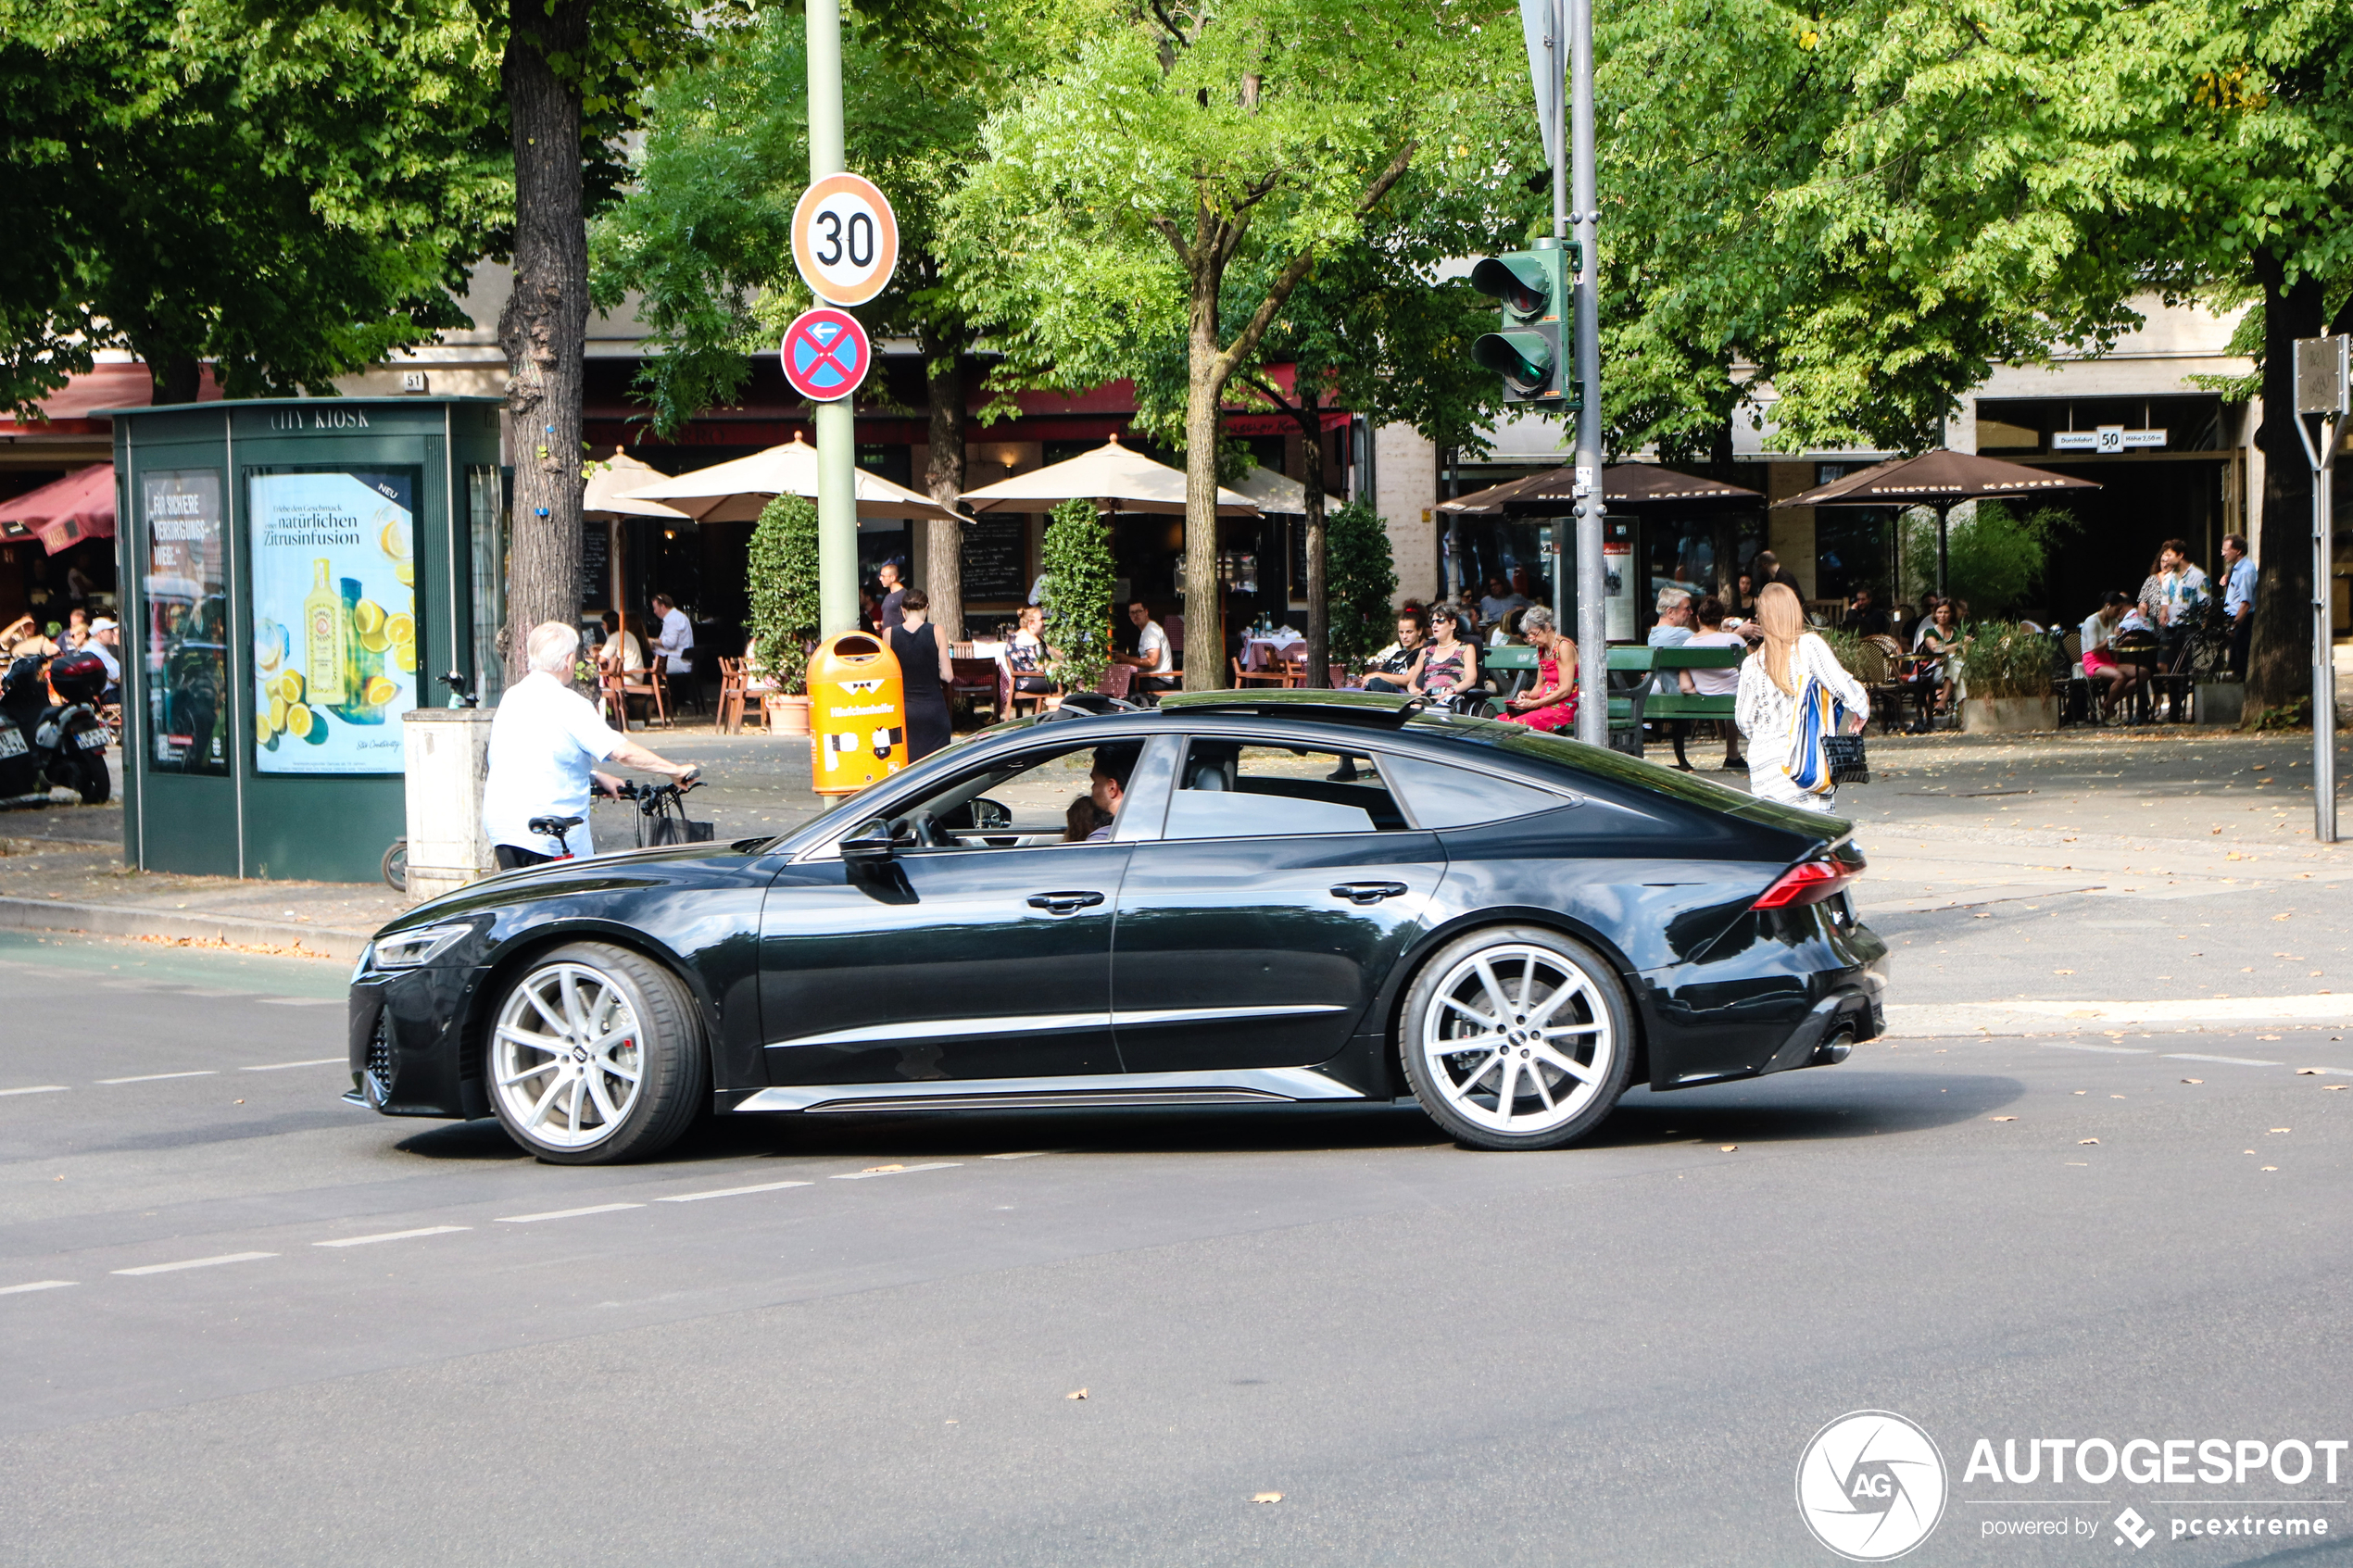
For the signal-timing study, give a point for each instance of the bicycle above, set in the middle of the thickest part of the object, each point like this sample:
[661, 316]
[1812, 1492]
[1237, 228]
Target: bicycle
[662, 813]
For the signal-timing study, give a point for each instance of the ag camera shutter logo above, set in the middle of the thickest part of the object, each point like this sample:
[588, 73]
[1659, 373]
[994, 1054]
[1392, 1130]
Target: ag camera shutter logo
[1871, 1486]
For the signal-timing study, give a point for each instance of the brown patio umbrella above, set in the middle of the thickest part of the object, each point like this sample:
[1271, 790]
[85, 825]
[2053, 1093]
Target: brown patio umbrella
[1624, 487]
[1942, 479]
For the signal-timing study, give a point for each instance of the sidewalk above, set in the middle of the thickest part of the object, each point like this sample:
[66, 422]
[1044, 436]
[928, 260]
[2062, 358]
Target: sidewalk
[2128, 839]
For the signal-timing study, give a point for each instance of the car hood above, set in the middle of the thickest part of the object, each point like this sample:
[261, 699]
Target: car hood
[625, 869]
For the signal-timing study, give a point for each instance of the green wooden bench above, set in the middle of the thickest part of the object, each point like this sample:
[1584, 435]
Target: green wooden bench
[1692, 704]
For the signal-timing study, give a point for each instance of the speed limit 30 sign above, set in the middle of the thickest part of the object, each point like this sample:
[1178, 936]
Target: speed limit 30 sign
[845, 239]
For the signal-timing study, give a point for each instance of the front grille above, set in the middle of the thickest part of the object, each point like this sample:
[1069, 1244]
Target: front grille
[380, 1060]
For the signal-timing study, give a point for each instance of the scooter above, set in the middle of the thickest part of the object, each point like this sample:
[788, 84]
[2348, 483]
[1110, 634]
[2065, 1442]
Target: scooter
[46, 744]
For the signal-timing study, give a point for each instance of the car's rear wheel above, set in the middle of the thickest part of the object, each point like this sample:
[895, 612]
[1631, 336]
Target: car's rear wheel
[1517, 1037]
[596, 1056]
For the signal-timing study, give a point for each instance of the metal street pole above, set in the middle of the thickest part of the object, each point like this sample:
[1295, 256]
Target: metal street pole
[1592, 625]
[1556, 148]
[836, 424]
[2324, 388]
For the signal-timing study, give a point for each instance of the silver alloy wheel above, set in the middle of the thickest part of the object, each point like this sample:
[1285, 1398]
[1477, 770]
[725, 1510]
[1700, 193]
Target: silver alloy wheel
[566, 1059]
[1517, 1039]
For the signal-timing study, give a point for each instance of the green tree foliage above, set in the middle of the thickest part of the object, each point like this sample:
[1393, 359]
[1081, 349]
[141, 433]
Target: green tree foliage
[1076, 557]
[782, 589]
[1181, 150]
[1364, 584]
[1994, 558]
[290, 198]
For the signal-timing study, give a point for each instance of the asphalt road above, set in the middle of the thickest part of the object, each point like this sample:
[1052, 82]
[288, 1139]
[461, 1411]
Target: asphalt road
[270, 1329]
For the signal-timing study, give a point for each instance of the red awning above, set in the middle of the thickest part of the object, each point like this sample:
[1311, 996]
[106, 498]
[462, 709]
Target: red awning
[79, 506]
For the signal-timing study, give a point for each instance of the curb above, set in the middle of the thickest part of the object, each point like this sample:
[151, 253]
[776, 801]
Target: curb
[118, 920]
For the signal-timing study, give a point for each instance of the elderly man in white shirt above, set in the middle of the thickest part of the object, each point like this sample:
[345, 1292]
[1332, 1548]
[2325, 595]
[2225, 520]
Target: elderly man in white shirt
[543, 739]
[677, 638]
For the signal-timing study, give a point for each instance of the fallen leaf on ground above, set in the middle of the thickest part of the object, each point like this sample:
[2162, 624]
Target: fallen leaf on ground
[2270, 1167]
[880, 1170]
[1727, 1149]
[2283, 1129]
[2193, 1080]
[1266, 1497]
[2001, 1118]
[2324, 1085]
[2087, 1140]
[1078, 1393]
[2307, 1071]
[2062, 971]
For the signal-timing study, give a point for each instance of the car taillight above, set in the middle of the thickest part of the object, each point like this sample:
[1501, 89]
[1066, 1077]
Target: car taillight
[1809, 881]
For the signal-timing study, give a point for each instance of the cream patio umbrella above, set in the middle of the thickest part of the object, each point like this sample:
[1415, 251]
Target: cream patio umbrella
[735, 492]
[1115, 478]
[1276, 496]
[610, 478]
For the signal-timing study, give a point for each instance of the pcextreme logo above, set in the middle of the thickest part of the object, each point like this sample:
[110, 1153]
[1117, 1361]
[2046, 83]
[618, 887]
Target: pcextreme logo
[1871, 1486]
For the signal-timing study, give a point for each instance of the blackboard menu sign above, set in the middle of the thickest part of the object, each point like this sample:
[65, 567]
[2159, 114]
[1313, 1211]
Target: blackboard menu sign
[997, 556]
[596, 564]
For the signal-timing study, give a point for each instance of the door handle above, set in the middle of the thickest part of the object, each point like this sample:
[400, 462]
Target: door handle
[1362, 893]
[1063, 903]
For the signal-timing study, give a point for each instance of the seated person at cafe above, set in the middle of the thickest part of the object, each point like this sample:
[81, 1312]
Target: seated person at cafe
[1389, 669]
[2114, 679]
[1153, 661]
[1026, 651]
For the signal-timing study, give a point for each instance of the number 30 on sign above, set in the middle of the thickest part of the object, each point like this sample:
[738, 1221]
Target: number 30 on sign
[845, 239]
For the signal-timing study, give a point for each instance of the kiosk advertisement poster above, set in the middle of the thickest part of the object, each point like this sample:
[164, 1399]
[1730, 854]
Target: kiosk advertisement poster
[187, 630]
[334, 619]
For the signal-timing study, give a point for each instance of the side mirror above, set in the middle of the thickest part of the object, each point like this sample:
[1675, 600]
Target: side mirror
[869, 846]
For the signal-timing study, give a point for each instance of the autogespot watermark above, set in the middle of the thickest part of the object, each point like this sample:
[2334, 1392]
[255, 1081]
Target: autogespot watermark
[1872, 1484]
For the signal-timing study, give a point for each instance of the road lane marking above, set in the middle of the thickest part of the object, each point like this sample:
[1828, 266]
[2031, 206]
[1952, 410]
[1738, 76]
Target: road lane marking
[2226, 1061]
[391, 1235]
[728, 1192]
[314, 1061]
[2108, 1050]
[153, 1077]
[564, 1213]
[898, 1169]
[301, 1001]
[37, 1089]
[36, 1284]
[1027, 1154]
[196, 1263]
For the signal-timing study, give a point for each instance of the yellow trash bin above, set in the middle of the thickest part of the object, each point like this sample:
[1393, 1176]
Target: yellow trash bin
[857, 713]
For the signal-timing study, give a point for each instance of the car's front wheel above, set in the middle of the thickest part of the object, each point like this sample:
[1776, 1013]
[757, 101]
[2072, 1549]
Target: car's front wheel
[1517, 1037]
[596, 1056]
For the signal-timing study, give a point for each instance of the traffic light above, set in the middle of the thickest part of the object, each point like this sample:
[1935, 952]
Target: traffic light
[1535, 352]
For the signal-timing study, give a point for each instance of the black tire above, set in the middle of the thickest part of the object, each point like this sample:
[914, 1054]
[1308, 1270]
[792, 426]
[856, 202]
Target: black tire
[669, 1058]
[1543, 977]
[84, 773]
[395, 866]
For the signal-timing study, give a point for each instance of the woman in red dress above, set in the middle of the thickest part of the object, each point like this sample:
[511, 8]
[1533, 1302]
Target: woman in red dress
[1550, 703]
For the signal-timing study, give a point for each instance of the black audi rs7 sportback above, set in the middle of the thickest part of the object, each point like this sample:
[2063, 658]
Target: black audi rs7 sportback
[1234, 898]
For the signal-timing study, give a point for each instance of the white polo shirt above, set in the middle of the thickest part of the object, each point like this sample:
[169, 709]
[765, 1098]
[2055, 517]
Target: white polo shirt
[1152, 643]
[543, 738]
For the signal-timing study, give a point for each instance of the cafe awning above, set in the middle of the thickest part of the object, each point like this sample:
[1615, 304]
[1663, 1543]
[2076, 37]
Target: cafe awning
[66, 511]
[1940, 479]
[1625, 487]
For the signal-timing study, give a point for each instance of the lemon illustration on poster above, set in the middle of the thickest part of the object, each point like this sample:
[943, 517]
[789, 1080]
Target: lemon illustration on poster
[335, 620]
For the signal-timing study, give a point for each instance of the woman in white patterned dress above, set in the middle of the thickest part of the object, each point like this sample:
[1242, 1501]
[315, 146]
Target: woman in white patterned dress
[1772, 680]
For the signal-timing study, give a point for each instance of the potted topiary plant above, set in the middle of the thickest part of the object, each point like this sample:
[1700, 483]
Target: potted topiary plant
[2005, 681]
[782, 571]
[1079, 580]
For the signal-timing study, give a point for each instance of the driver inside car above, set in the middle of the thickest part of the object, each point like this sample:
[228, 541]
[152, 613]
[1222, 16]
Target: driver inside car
[1107, 785]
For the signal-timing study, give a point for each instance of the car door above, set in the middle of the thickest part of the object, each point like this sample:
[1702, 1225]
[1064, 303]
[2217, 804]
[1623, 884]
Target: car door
[1256, 926]
[956, 958]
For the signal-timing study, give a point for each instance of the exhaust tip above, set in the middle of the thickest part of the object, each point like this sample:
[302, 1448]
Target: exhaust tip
[1835, 1050]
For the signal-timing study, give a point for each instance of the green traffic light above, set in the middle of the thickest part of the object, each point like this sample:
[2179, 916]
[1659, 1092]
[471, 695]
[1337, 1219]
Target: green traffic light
[1523, 359]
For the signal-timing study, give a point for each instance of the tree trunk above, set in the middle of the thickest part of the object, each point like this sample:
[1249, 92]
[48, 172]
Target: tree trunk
[1204, 619]
[1319, 609]
[2280, 658]
[177, 378]
[544, 329]
[944, 481]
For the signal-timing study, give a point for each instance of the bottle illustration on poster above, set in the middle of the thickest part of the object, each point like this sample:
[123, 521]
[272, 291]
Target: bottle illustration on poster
[335, 620]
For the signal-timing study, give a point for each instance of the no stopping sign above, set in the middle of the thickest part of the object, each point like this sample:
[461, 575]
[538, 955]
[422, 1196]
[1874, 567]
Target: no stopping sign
[845, 239]
[826, 354]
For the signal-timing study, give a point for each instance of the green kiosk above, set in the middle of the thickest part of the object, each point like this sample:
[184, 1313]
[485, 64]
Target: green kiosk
[296, 574]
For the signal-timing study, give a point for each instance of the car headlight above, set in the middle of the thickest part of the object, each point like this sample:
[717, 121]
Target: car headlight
[408, 949]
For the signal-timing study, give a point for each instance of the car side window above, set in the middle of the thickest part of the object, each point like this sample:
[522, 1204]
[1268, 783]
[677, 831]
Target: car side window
[1444, 795]
[1237, 789]
[1019, 802]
